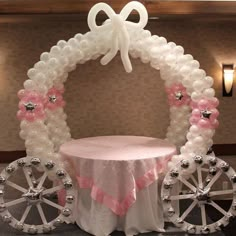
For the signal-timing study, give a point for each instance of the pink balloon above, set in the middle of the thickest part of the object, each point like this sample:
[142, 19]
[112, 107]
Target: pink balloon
[39, 106]
[215, 124]
[215, 113]
[29, 116]
[193, 120]
[193, 104]
[204, 124]
[196, 113]
[214, 102]
[19, 115]
[203, 104]
[21, 94]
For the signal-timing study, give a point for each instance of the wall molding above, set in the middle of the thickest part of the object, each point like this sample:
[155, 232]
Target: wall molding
[219, 149]
[154, 7]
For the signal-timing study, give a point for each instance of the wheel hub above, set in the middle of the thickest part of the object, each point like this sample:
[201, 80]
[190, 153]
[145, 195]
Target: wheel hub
[33, 195]
[202, 194]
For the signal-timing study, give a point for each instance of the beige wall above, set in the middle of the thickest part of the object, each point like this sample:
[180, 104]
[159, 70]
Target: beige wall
[106, 100]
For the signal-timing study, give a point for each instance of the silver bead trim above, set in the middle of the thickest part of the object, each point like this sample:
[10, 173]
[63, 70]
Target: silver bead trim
[57, 222]
[7, 219]
[19, 226]
[68, 184]
[224, 166]
[49, 165]
[205, 230]
[21, 162]
[184, 164]
[61, 174]
[66, 212]
[191, 229]
[35, 161]
[32, 230]
[170, 211]
[2, 180]
[47, 228]
[198, 159]
[69, 199]
[212, 171]
[10, 169]
[174, 173]
[213, 161]
[2, 207]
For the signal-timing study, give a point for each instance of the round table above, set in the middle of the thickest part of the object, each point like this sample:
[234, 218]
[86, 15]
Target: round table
[117, 182]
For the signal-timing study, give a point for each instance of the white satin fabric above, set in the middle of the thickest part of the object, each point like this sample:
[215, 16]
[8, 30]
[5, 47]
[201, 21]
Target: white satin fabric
[118, 179]
[144, 216]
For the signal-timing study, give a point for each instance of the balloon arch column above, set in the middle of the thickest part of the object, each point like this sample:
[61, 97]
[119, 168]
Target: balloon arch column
[193, 116]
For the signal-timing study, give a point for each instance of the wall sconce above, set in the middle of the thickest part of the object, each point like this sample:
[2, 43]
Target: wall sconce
[228, 79]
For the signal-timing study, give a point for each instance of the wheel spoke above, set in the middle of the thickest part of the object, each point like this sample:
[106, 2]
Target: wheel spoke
[52, 204]
[205, 170]
[217, 207]
[27, 177]
[184, 181]
[203, 214]
[189, 209]
[41, 213]
[199, 177]
[16, 186]
[14, 202]
[180, 197]
[42, 180]
[194, 180]
[221, 192]
[25, 214]
[53, 189]
[214, 179]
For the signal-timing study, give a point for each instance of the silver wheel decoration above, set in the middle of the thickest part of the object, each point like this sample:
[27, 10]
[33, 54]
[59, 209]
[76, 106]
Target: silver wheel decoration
[201, 189]
[35, 195]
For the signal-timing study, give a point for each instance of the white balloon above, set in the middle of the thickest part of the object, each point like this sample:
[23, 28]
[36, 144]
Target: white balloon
[198, 74]
[209, 93]
[55, 51]
[78, 37]
[62, 43]
[196, 96]
[198, 85]
[179, 50]
[29, 85]
[44, 56]
[198, 141]
[32, 72]
[194, 64]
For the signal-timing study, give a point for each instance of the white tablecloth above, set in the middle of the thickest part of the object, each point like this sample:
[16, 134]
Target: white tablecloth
[117, 182]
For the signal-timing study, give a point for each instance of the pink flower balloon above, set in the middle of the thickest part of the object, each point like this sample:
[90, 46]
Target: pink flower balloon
[31, 106]
[177, 95]
[204, 113]
[55, 99]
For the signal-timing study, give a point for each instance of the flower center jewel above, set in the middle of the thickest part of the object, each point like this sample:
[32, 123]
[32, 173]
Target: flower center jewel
[30, 106]
[206, 114]
[52, 98]
[179, 95]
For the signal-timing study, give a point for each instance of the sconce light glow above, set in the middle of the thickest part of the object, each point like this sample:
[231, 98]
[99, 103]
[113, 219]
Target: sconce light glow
[228, 79]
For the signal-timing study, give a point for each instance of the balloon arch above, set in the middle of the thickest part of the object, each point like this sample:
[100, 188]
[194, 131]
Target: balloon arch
[191, 98]
[193, 113]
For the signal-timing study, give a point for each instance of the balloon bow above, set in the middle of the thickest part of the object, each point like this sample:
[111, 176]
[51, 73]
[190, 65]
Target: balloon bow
[118, 25]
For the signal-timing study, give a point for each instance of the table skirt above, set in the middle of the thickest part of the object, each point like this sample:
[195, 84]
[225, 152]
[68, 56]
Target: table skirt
[145, 215]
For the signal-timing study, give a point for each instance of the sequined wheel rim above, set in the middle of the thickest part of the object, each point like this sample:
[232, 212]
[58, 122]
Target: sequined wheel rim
[35, 195]
[200, 193]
